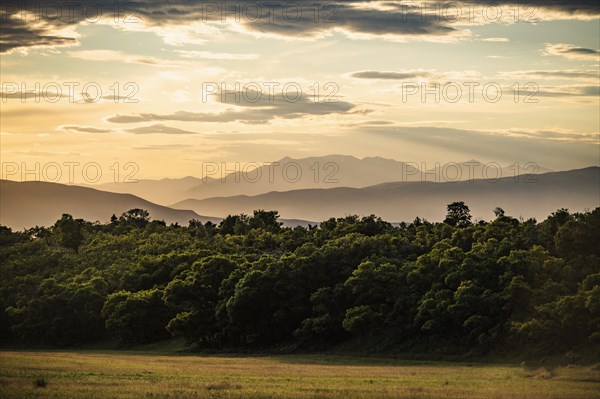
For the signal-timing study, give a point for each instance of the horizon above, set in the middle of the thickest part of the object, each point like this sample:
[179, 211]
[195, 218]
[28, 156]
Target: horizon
[434, 83]
[13, 171]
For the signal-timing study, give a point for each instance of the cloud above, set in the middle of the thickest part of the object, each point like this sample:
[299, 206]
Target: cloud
[178, 21]
[149, 129]
[576, 74]
[158, 129]
[21, 32]
[181, 21]
[371, 123]
[419, 74]
[551, 148]
[447, 134]
[359, 22]
[556, 135]
[115, 98]
[572, 52]
[209, 55]
[82, 129]
[400, 75]
[252, 108]
[29, 94]
[496, 39]
[569, 91]
[111, 55]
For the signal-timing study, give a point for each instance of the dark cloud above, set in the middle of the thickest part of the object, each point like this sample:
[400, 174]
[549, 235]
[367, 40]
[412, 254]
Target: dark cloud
[115, 98]
[16, 33]
[83, 129]
[295, 18]
[571, 91]
[378, 123]
[571, 51]
[554, 74]
[391, 75]
[158, 129]
[347, 16]
[582, 51]
[370, 123]
[255, 109]
[589, 7]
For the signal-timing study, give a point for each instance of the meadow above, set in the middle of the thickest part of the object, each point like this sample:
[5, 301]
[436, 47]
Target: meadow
[111, 374]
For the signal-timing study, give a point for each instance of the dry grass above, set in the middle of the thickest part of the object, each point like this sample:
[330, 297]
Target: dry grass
[78, 374]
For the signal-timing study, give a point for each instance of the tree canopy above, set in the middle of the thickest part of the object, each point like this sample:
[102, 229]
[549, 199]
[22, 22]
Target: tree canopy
[452, 287]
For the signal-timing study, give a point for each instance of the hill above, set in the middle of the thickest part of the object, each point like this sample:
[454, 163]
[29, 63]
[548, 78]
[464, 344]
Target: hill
[288, 174]
[535, 197]
[27, 204]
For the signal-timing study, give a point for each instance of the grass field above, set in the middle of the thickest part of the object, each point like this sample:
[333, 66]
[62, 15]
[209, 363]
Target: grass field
[102, 374]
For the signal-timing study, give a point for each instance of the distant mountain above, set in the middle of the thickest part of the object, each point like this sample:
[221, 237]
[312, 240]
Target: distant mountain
[315, 172]
[527, 196]
[27, 204]
[164, 191]
[294, 174]
[473, 169]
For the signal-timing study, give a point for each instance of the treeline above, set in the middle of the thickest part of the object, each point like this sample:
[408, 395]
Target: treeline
[249, 283]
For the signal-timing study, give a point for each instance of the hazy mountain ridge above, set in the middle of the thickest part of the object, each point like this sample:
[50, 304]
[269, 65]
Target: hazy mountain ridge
[315, 172]
[27, 204]
[535, 196]
[161, 191]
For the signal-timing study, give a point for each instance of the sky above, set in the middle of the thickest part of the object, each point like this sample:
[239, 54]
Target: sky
[159, 88]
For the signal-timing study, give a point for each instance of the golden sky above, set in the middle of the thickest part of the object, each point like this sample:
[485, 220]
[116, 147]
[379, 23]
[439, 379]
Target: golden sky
[168, 86]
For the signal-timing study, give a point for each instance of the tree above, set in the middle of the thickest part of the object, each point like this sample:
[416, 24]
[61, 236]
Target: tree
[62, 314]
[361, 320]
[458, 215]
[234, 224]
[194, 296]
[522, 286]
[135, 217]
[499, 212]
[267, 220]
[137, 317]
[69, 231]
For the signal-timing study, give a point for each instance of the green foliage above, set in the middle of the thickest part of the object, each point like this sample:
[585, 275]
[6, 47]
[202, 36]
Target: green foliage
[58, 313]
[137, 317]
[251, 283]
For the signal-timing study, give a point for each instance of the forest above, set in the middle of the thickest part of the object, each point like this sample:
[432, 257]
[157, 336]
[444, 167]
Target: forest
[249, 284]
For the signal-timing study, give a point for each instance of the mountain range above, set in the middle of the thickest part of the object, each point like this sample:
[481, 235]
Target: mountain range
[27, 204]
[325, 172]
[526, 196]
